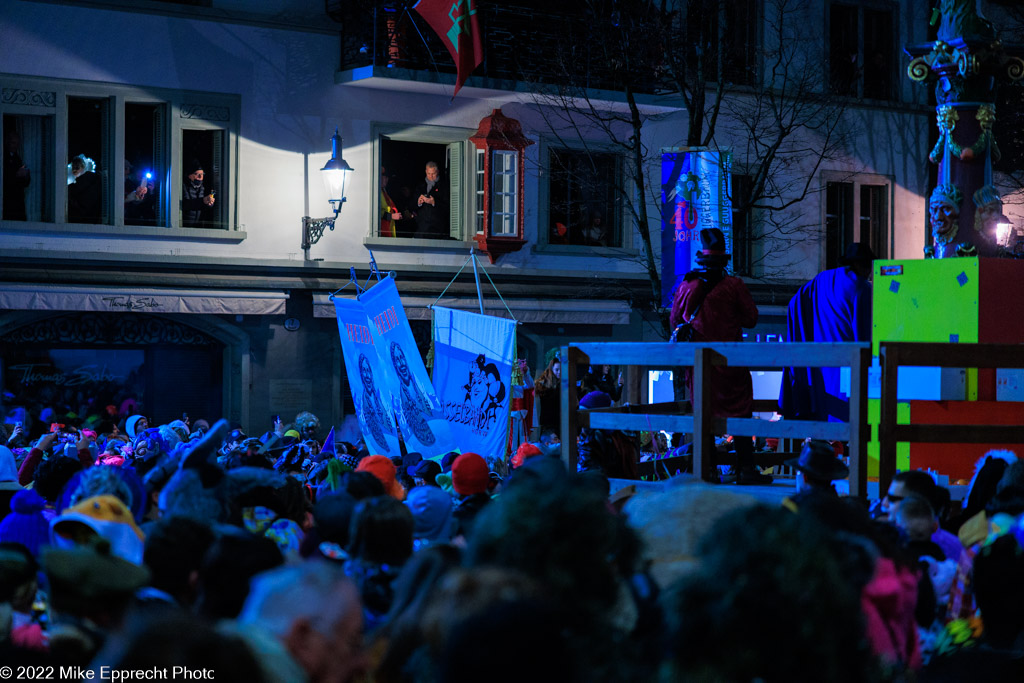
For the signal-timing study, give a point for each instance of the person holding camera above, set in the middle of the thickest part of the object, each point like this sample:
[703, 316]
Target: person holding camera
[718, 306]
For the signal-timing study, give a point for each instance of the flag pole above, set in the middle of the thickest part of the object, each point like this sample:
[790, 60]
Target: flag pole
[476, 276]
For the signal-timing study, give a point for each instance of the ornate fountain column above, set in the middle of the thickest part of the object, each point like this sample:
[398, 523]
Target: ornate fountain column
[967, 64]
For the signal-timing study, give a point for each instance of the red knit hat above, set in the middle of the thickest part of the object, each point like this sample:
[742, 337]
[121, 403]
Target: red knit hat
[526, 450]
[470, 474]
[381, 467]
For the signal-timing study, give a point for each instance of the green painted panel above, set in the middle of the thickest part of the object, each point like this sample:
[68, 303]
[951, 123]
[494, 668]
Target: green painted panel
[902, 449]
[925, 300]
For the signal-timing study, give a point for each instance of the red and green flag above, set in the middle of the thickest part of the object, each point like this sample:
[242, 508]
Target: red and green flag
[457, 24]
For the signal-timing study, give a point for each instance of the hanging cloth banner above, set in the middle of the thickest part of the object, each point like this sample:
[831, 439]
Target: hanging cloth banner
[473, 357]
[366, 379]
[696, 194]
[419, 412]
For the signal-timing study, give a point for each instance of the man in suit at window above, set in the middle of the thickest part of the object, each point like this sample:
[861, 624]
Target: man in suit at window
[432, 205]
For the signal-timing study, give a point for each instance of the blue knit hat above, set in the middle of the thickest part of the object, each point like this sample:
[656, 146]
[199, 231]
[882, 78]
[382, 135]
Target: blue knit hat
[26, 524]
[431, 512]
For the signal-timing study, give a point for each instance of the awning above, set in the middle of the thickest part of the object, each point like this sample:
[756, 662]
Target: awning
[137, 300]
[566, 311]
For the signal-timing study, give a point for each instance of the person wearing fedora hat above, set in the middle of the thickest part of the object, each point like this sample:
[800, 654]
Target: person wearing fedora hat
[719, 306]
[816, 468]
[833, 307]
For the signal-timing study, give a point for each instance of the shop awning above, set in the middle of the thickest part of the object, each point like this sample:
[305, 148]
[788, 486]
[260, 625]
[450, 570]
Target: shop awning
[140, 300]
[560, 312]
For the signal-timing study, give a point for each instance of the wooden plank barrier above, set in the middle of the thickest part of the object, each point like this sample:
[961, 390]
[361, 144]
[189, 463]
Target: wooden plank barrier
[698, 419]
[893, 355]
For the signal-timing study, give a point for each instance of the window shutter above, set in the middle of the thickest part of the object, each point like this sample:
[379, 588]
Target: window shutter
[219, 215]
[455, 203]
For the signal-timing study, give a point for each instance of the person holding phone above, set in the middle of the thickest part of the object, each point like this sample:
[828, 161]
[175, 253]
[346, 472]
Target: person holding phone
[140, 196]
[196, 202]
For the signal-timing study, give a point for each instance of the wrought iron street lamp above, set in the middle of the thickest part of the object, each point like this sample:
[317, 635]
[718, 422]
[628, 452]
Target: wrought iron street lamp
[335, 173]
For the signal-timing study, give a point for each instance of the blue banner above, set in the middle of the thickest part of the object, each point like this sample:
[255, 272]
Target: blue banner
[695, 194]
[473, 356]
[366, 379]
[420, 415]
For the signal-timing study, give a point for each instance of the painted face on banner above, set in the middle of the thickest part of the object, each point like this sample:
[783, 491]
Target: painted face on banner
[365, 371]
[401, 365]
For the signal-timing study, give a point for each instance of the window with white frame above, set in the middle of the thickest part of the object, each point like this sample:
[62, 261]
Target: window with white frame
[504, 192]
[403, 154]
[480, 190]
[857, 209]
[123, 157]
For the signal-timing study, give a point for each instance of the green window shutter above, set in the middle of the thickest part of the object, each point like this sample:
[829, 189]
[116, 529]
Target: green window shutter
[455, 202]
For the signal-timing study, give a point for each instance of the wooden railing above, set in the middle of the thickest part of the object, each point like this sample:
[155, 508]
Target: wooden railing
[700, 421]
[893, 355]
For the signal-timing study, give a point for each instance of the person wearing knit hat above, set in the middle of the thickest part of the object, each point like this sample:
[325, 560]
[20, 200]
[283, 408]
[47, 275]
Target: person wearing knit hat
[526, 450]
[26, 524]
[432, 516]
[103, 516]
[471, 479]
[135, 425]
[383, 469]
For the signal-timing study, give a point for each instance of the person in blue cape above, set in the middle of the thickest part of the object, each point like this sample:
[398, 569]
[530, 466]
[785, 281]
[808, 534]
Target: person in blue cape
[833, 307]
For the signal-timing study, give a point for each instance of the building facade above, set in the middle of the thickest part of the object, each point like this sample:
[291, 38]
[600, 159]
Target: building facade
[110, 295]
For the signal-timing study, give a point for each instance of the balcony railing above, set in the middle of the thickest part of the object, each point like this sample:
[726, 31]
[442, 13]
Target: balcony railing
[520, 44]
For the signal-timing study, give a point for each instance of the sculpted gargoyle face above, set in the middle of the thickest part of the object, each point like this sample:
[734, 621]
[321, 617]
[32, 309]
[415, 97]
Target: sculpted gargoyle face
[944, 217]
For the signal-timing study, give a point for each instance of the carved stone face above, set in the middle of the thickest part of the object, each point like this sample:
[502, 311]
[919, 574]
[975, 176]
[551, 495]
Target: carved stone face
[944, 217]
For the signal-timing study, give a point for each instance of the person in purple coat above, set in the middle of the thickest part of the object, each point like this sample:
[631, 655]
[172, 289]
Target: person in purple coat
[833, 307]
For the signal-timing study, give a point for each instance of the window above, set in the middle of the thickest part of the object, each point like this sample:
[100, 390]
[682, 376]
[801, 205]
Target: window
[121, 159]
[504, 206]
[862, 51]
[743, 237]
[480, 191]
[583, 198]
[731, 27]
[867, 199]
[28, 170]
[838, 221]
[403, 153]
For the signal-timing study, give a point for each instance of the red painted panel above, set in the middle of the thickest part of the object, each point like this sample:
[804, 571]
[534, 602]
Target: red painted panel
[957, 460]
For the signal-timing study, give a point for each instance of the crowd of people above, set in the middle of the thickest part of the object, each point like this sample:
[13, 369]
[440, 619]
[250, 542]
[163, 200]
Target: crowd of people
[279, 557]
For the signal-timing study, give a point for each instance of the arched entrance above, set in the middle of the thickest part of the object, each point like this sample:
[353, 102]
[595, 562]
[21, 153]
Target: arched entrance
[84, 361]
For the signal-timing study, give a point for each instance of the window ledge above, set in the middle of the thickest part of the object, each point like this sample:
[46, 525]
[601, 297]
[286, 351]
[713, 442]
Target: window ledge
[136, 231]
[581, 250]
[415, 244]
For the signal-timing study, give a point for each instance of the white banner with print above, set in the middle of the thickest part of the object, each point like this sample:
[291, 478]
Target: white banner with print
[370, 390]
[473, 356]
[420, 416]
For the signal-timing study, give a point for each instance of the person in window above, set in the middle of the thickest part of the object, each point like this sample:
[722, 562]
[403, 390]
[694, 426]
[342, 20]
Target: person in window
[16, 178]
[595, 233]
[83, 191]
[432, 205]
[196, 202]
[139, 196]
[389, 211]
